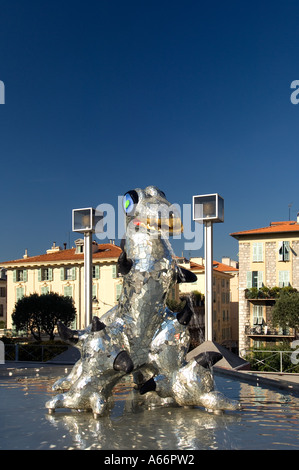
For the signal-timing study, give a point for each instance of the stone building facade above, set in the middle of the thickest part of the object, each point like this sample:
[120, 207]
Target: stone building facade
[268, 258]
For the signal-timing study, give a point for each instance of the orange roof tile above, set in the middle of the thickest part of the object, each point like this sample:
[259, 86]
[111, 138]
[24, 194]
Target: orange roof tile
[105, 250]
[223, 267]
[196, 266]
[274, 227]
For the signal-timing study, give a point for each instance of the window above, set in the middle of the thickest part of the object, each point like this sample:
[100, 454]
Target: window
[118, 291]
[257, 314]
[284, 251]
[94, 292]
[45, 290]
[2, 292]
[114, 271]
[20, 293]
[67, 274]
[1, 310]
[20, 275]
[257, 251]
[79, 248]
[45, 274]
[284, 278]
[68, 291]
[96, 272]
[254, 279]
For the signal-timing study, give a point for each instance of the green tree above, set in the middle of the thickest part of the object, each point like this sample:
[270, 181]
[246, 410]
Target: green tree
[40, 313]
[286, 310]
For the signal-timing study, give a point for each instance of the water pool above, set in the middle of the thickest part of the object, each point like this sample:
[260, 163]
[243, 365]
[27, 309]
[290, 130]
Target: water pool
[269, 419]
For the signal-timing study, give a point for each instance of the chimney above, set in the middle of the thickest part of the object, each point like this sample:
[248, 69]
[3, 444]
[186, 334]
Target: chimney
[25, 256]
[297, 217]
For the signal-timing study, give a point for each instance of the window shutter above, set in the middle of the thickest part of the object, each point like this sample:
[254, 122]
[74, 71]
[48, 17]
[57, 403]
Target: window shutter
[249, 279]
[73, 274]
[257, 251]
[254, 252]
[118, 291]
[50, 274]
[280, 251]
[260, 252]
[284, 278]
[62, 274]
[68, 291]
[39, 274]
[114, 271]
[20, 293]
[280, 278]
[14, 275]
[97, 271]
[286, 252]
[260, 279]
[94, 291]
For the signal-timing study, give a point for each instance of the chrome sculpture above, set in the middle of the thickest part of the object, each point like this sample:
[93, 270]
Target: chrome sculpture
[141, 335]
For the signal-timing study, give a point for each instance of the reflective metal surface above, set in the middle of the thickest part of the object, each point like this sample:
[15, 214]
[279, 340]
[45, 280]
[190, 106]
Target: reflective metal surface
[141, 335]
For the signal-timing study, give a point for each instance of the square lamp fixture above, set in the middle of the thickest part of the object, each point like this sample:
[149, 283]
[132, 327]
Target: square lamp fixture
[85, 220]
[208, 207]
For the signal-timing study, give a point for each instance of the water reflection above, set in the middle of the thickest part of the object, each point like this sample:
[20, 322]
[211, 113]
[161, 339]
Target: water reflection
[175, 428]
[269, 419]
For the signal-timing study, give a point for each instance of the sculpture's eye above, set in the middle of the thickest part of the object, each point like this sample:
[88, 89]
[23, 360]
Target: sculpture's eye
[129, 201]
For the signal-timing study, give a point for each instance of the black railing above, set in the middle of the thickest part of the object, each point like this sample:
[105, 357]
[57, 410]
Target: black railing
[273, 361]
[33, 352]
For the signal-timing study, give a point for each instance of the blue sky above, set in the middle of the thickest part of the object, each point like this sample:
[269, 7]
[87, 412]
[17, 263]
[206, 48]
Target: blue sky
[105, 96]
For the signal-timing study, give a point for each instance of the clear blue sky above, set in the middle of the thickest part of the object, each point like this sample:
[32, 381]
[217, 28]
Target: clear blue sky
[108, 95]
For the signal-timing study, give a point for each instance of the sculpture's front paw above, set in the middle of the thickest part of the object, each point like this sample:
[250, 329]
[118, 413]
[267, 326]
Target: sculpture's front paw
[55, 402]
[61, 384]
[98, 404]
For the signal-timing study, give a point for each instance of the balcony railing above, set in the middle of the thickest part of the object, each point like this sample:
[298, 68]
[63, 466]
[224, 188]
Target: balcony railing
[265, 330]
[273, 361]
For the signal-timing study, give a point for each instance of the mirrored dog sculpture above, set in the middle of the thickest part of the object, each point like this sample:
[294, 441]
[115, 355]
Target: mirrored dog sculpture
[140, 335]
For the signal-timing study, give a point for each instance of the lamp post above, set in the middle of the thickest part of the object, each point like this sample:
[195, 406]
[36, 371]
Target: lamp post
[84, 221]
[208, 209]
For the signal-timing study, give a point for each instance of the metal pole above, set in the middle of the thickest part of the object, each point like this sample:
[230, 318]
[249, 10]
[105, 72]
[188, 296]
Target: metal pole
[88, 277]
[209, 281]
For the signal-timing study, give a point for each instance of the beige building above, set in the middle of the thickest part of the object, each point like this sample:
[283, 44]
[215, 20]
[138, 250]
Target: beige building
[268, 257]
[225, 297]
[62, 271]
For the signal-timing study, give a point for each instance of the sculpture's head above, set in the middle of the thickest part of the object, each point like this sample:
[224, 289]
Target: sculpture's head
[149, 209]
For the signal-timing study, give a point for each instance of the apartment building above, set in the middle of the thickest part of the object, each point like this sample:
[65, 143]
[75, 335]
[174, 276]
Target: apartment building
[225, 297]
[268, 258]
[62, 271]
